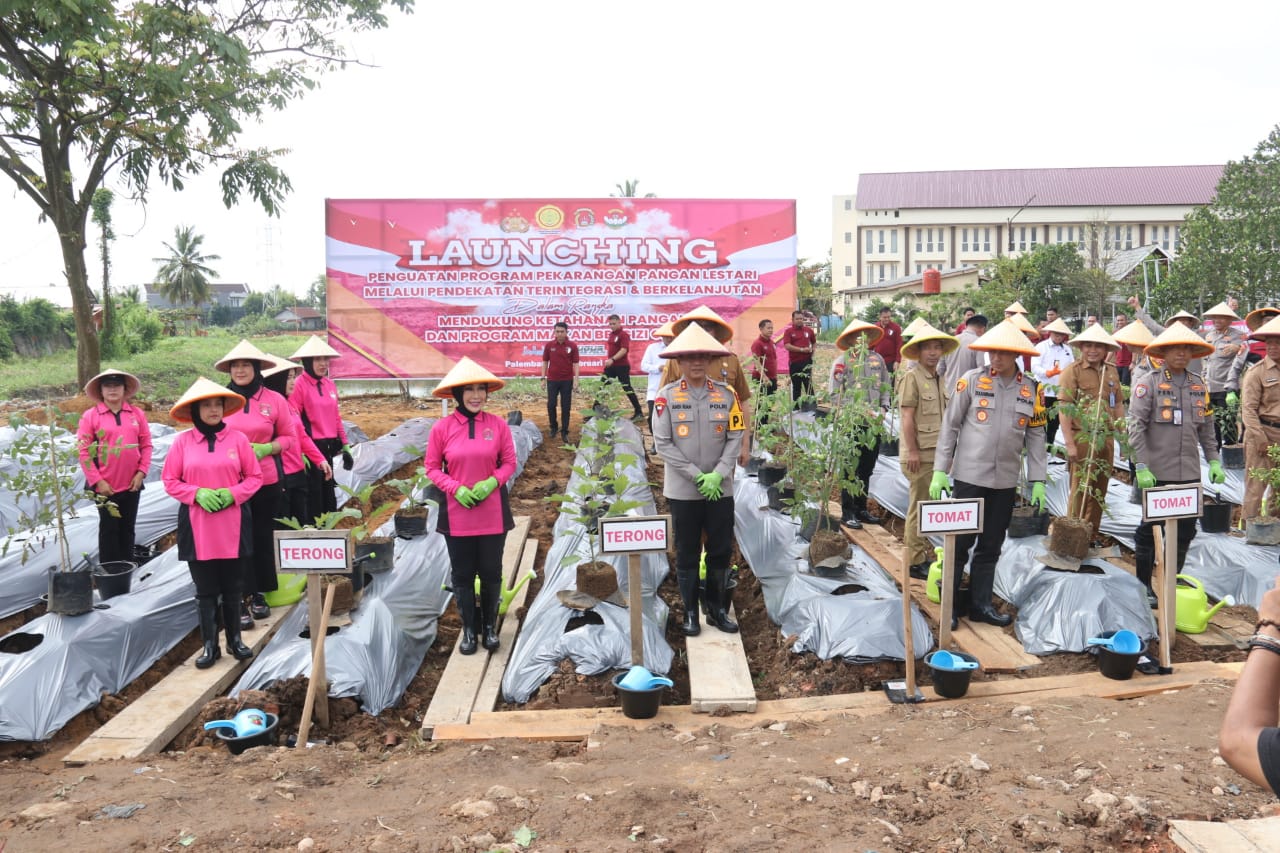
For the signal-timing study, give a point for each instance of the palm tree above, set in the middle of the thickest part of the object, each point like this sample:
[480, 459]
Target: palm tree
[629, 189]
[184, 276]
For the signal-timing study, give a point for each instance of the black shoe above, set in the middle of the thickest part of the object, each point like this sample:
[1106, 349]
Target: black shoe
[919, 571]
[246, 618]
[258, 608]
[720, 618]
[690, 627]
[852, 522]
[468, 644]
[564, 436]
[551, 433]
[955, 621]
[989, 615]
[868, 518]
[237, 649]
[210, 656]
[1152, 600]
[490, 640]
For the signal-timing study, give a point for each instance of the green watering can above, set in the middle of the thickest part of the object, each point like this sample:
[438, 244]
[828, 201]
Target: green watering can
[1192, 605]
[933, 586]
[507, 594]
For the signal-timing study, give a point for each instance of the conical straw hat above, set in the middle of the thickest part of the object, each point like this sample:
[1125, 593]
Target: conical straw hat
[911, 349]
[694, 340]
[1222, 309]
[725, 332]
[1095, 334]
[313, 347]
[1004, 337]
[1182, 315]
[243, 351]
[1176, 334]
[1016, 308]
[466, 372]
[914, 327]
[205, 389]
[858, 327]
[1058, 326]
[1022, 324]
[664, 331]
[93, 388]
[278, 365]
[1257, 319]
[1135, 334]
[1269, 329]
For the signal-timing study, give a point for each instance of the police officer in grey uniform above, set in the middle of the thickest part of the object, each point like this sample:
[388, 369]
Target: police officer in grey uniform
[861, 369]
[1170, 422]
[697, 429]
[994, 414]
[1220, 373]
[964, 359]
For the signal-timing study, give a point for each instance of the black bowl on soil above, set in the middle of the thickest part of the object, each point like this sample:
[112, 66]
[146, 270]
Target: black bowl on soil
[1115, 664]
[638, 704]
[951, 683]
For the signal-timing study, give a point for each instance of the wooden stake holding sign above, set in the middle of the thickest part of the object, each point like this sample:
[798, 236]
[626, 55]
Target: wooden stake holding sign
[314, 552]
[1168, 504]
[635, 536]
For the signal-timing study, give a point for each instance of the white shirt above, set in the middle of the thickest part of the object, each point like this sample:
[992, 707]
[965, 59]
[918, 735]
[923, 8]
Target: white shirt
[1051, 355]
[652, 365]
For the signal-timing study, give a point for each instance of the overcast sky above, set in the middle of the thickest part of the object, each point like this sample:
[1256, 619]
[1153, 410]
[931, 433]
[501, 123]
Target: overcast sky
[710, 99]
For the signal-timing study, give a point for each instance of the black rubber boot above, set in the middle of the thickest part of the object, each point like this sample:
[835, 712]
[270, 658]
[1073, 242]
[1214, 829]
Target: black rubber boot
[490, 598]
[208, 609]
[464, 595]
[718, 596]
[688, 581]
[231, 626]
[981, 584]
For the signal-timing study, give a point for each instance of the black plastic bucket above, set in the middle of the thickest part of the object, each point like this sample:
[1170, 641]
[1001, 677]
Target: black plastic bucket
[1233, 456]
[70, 593]
[383, 550]
[889, 447]
[237, 745]
[951, 683]
[1027, 521]
[638, 704]
[1116, 664]
[410, 526]
[1216, 517]
[771, 474]
[114, 578]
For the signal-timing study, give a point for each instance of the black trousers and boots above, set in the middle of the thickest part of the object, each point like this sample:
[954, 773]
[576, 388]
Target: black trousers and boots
[853, 508]
[998, 510]
[214, 579]
[207, 606]
[691, 520]
[471, 557]
[115, 530]
[559, 391]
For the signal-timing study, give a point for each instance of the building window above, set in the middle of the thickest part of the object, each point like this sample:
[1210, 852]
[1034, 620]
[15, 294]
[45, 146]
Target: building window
[848, 236]
[848, 272]
[928, 246]
[986, 239]
[942, 239]
[848, 204]
[919, 240]
[893, 241]
[964, 239]
[870, 238]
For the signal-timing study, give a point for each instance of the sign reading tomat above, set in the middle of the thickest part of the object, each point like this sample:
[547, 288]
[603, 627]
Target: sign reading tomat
[954, 516]
[635, 534]
[1164, 502]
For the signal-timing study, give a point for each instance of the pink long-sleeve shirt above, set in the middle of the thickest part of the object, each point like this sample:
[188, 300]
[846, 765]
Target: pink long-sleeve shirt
[292, 456]
[114, 447]
[318, 400]
[266, 417]
[458, 457]
[191, 465]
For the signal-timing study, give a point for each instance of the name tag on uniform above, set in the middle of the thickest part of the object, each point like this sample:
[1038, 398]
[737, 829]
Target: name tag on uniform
[1111, 399]
[1177, 417]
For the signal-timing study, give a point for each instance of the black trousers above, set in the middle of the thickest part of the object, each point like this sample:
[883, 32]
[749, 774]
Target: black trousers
[691, 520]
[801, 380]
[1144, 541]
[260, 566]
[217, 577]
[472, 557]
[997, 512]
[320, 492]
[866, 467]
[621, 373]
[560, 390]
[1126, 376]
[115, 535]
[297, 497]
[1051, 424]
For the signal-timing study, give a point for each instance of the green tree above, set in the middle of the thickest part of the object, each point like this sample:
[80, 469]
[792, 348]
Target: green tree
[184, 276]
[317, 293]
[1049, 276]
[153, 88]
[630, 189]
[813, 286]
[1232, 246]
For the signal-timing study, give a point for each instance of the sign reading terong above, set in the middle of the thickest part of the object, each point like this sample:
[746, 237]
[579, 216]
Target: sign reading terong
[414, 285]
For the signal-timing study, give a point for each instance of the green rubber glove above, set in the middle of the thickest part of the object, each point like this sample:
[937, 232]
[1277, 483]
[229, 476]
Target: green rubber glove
[709, 485]
[1038, 499]
[208, 500]
[1233, 399]
[261, 450]
[1145, 478]
[939, 484]
[224, 496]
[484, 488]
[465, 496]
[1216, 474]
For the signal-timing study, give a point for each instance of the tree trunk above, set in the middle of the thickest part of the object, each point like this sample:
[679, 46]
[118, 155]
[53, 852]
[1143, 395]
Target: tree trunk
[71, 236]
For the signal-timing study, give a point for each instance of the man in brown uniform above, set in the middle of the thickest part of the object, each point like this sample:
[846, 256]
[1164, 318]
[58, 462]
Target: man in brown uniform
[922, 398]
[725, 368]
[860, 368]
[1170, 422]
[1090, 383]
[1260, 411]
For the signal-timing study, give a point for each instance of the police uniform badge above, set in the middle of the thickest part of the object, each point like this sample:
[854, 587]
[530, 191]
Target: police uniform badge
[659, 406]
[736, 421]
[961, 385]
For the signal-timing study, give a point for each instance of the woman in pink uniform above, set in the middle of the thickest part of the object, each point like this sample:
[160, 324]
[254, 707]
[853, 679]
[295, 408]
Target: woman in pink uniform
[470, 457]
[267, 422]
[281, 379]
[115, 453]
[315, 398]
[213, 472]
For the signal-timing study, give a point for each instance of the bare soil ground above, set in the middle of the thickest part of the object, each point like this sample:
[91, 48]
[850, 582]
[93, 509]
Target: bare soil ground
[1074, 775]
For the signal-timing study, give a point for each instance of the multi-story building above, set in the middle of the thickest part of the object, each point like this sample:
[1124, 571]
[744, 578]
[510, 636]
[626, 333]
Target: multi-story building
[900, 224]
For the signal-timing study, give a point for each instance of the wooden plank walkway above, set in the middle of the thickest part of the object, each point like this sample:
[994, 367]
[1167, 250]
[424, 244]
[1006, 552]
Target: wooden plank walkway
[1260, 835]
[719, 676]
[491, 686]
[154, 719]
[463, 674]
[578, 724]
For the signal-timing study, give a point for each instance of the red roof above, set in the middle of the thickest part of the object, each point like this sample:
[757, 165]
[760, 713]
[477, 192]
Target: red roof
[1084, 187]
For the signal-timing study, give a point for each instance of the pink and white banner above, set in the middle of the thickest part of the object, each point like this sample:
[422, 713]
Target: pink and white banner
[414, 285]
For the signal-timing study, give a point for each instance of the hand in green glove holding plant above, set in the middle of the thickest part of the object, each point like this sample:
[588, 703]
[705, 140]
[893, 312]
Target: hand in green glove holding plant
[1038, 499]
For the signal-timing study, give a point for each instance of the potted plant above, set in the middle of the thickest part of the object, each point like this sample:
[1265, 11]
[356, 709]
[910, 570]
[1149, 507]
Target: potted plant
[1071, 535]
[1264, 529]
[42, 473]
[771, 417]
[411, 515]
[889, 439]
[1229, 423]
[375, 553]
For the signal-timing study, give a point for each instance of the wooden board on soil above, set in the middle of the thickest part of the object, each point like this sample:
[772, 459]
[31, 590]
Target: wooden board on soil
[149, 724]
[1225, 630]
[998, 651]
[463, 674]
[719, 676]
[1260, 835]
[491, 686]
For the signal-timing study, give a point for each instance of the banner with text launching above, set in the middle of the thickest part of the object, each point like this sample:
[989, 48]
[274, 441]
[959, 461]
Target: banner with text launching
[414, 285]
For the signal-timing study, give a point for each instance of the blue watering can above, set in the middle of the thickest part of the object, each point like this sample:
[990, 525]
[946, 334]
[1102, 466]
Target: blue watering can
[1121, 642]
[248, 722]
[943, 659]
[640, 678]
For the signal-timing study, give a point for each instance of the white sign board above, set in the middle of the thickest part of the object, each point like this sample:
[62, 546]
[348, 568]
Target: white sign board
[635, 534]
[1164, 502]
[954, 516]
[313, 551]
